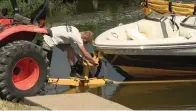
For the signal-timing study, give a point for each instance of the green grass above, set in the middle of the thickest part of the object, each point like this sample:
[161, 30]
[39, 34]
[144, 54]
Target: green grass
[5, 105]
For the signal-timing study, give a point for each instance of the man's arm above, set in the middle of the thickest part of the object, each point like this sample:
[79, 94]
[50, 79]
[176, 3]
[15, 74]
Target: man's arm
[78, 56]
[86, 54]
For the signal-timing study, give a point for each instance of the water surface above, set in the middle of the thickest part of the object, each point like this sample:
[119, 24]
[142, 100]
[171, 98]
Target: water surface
[101, 16]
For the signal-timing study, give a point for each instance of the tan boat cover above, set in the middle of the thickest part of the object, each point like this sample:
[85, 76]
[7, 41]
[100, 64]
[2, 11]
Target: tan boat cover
[165, 7]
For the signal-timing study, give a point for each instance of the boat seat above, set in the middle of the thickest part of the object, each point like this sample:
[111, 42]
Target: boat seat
[142, 30]
[160, 29]
[151, 28]
[119, 33]
[134, 34]
[189, 31]
[173, 28]
[147, 30]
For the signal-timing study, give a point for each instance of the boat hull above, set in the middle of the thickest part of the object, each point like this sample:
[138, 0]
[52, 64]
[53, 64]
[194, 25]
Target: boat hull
[152, 61]
[153, 66]
[168, 50]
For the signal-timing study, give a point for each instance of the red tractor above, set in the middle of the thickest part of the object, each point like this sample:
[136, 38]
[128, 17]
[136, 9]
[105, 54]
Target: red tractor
[24, 65]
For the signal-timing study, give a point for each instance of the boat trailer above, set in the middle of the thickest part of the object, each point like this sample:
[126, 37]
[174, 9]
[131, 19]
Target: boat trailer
[97, 82]
[88, 81]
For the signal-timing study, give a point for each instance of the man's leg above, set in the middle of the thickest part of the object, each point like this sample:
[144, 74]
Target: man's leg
[71, 60]
[70, 57]
[71, 54]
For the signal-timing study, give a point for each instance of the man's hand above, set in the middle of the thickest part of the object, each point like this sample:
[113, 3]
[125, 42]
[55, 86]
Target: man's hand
[79, 57]
[87, 55]
[93, 62]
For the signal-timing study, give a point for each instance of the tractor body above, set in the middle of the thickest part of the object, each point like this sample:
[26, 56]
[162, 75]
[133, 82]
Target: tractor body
[24, 65]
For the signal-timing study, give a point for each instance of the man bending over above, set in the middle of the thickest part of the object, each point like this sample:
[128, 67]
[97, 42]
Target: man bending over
[65, 35]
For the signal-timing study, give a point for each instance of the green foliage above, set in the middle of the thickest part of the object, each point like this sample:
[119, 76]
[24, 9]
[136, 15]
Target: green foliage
[59, 11]
[27, 8]
[94, 28]
[57, 8]
[6, 4]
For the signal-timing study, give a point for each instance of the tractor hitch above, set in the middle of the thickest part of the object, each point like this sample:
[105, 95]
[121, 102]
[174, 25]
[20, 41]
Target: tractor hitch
[88, 81]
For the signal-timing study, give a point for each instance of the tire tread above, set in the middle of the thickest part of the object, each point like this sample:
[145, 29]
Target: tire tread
[7, 52]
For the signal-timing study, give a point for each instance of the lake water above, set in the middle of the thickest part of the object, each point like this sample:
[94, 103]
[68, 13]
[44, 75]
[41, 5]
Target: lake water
[101, 16]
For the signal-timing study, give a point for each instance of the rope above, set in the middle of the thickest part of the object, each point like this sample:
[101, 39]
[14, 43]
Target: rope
[56, 83]
[149, 82]
[105, 68]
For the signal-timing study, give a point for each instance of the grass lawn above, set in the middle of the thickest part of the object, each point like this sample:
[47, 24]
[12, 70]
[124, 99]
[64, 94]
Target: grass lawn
[5, 105]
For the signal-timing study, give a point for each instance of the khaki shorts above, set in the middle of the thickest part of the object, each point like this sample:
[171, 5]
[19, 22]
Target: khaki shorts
[64, 47]
[50, 43]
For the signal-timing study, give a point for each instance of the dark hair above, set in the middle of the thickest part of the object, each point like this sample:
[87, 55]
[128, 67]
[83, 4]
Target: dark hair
[6, 11]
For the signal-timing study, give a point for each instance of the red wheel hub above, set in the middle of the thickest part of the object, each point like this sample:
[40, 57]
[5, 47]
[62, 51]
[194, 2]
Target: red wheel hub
[25, 73]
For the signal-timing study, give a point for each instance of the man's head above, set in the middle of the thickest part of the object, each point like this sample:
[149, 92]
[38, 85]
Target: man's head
[87, 36]
[4, 11]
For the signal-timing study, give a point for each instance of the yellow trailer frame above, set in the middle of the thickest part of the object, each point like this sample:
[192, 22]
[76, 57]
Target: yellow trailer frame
[97, 82]
[74, 81]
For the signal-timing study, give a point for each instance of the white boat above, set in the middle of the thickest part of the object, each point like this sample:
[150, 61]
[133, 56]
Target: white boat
[158, 46]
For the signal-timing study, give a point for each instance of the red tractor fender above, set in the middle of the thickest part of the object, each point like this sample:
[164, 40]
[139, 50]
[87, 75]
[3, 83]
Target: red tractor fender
[20, 32]
[4, 21]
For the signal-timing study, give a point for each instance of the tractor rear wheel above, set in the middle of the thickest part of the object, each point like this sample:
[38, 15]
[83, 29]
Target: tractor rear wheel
[24, 70]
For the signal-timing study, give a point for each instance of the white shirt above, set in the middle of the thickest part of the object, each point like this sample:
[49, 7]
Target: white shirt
[63, 35]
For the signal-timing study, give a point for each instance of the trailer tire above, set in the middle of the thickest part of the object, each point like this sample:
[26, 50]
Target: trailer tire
[24, 70]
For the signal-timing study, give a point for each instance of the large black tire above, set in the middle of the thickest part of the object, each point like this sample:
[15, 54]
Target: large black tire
[10, 55]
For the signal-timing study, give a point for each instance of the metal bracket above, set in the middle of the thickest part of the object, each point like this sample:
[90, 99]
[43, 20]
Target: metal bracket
[92, 82]
[80, 82]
